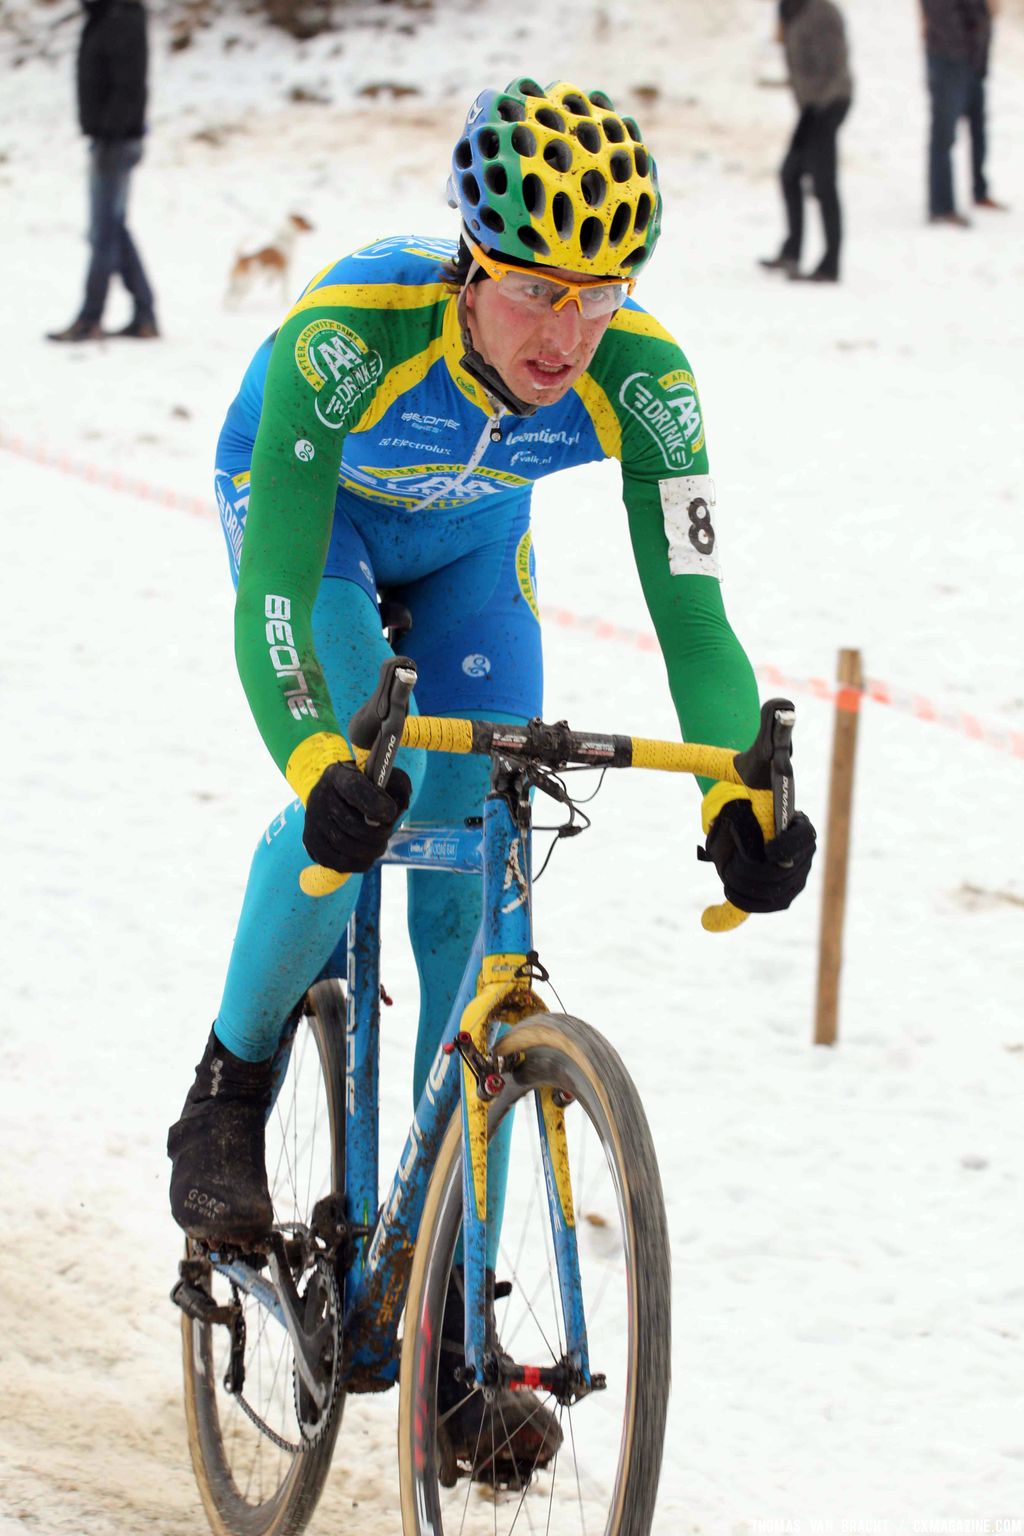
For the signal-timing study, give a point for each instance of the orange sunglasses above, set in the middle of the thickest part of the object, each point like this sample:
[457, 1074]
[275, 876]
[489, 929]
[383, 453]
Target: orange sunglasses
[525, 285]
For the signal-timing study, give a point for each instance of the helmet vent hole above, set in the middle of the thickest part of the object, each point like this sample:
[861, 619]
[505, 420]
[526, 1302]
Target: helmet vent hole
[633, 130]
[619, 227]
[511, 111]
[621, 164]
[594, 187]
[643, 213]
[551, 119]
[589, 137]
[558, 154]
[576, 105]
[528, 87]
[533, 240]
[642, 159]
[493, 220]
[614, 131]
[471, 189]
[634, 256]
[591, 236]
[524, 141]
[562, 215]
[488, 143]
[533, 195]
[496, 180]
[601, 100]
[463, 155]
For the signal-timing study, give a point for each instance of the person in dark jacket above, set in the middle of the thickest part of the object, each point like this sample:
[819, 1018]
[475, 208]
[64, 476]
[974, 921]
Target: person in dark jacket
[112, 59]
[957, 41]
[814, 38]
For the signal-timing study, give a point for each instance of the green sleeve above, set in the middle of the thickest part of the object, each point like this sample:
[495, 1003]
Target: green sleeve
[669, 499]
[709, 676]
[322, 377]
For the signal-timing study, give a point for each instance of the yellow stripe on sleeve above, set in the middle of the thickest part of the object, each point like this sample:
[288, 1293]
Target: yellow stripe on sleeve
[637, 323]
[599, 408]
[397, 382]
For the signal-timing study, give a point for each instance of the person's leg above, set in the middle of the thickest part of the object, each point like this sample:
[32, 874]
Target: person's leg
[219, 1185]
[129, 262]
[108, 193]
[822, 163]
[791, 178]
[476, 643]
[477, 646]
[979, 141]
[285, 937]
[947, 87]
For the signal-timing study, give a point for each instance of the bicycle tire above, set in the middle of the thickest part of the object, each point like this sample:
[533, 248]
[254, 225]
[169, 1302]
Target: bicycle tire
[554, 1051]
[250, 1486]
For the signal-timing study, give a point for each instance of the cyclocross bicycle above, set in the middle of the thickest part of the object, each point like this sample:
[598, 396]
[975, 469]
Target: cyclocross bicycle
[273, 1340]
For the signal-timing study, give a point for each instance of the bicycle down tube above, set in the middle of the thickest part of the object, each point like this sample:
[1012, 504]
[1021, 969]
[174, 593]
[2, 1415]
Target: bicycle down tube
[496, 982]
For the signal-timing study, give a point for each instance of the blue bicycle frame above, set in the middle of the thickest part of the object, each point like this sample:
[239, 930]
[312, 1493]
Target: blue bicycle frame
[495, 991]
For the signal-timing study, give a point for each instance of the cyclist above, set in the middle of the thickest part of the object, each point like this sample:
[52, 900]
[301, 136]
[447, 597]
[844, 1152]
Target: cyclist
[388, 437]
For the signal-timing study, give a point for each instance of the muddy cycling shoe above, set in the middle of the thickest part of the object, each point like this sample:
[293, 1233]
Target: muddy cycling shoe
[217, 1149]
[504, 1441]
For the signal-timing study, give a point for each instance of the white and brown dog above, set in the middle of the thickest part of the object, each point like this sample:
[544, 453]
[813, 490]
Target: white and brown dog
[270, 264]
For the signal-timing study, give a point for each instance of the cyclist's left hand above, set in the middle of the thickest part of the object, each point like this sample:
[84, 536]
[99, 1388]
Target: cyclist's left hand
[759, 876]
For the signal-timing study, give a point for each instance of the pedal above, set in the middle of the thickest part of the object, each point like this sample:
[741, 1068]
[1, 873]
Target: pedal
[200, 1305]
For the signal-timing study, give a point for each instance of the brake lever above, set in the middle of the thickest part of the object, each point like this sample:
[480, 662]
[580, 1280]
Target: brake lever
[768, 763]
[378, 724]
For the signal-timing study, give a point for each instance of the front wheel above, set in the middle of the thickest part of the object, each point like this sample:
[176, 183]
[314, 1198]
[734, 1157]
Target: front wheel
[604, 1477]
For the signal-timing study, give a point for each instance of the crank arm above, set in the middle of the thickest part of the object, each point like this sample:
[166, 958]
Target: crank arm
[307, 1346]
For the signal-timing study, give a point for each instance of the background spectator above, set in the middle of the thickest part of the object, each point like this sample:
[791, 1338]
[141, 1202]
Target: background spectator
[112, 59]
[957, 41]
[814, 38]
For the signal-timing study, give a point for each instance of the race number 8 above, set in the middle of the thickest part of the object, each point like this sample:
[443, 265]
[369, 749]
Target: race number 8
[701, 533]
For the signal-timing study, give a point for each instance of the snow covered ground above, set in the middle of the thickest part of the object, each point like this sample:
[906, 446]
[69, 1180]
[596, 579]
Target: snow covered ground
[849, 1303]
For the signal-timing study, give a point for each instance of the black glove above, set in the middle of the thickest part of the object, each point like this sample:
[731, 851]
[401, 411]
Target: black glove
[759, 876]
[349, 820]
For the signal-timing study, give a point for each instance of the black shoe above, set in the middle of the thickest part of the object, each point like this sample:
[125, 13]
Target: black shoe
[819, 275]
[502, 1442]
[780, 263]
[142, 330]
[217, 1149]
[78, 330]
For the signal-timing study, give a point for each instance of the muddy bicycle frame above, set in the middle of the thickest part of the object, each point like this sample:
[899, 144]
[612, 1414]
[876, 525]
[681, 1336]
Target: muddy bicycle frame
[373, 1245]
[376, 1251]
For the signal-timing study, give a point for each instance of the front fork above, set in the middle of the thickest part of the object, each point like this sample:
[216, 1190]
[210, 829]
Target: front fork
[505, 995]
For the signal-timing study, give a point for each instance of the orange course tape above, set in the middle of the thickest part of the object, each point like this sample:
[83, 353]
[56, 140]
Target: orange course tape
[844, 698]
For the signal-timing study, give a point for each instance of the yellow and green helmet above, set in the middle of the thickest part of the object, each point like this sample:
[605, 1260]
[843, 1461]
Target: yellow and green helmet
[557, 177]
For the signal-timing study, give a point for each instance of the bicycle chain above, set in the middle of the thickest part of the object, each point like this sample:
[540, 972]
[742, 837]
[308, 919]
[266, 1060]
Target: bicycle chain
[310, 1440]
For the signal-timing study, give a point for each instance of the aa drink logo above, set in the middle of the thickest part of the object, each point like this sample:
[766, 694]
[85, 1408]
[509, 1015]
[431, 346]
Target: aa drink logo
[342, 369]
[668, 409]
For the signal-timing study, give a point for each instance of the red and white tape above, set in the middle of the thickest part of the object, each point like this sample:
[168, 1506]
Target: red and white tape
[842, 697]
[902, 699]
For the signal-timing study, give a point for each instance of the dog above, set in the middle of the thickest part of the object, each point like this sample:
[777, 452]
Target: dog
[271, 263]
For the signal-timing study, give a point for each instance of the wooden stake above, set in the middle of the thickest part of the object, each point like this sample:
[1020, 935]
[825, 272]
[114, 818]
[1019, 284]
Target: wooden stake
[837, 846]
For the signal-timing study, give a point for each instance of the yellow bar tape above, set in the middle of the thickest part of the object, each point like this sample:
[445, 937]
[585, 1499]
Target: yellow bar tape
[437, 734]
[433, 733]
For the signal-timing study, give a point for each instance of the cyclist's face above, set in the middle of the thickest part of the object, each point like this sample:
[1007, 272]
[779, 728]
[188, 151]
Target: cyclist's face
[540, 352]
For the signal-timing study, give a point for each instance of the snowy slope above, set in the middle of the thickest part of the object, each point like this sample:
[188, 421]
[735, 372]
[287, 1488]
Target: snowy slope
[846, 1224]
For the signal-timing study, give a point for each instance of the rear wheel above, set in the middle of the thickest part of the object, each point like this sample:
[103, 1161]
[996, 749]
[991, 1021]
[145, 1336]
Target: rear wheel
[604, 1477]
[261, 1451]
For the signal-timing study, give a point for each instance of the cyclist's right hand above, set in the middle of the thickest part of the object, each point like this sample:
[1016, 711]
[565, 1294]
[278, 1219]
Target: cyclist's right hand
[349, 820]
